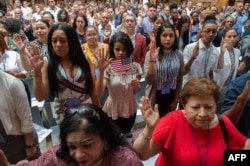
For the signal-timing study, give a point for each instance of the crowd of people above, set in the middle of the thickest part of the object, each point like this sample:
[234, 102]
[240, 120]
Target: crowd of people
[194, 58]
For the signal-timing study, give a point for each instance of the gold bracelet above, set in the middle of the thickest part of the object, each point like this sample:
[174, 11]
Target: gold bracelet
[145, 137]
[36, 74]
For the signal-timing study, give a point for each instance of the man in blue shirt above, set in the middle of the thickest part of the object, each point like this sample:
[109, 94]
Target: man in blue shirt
[237, 104]
[147, 24]
[239, 18]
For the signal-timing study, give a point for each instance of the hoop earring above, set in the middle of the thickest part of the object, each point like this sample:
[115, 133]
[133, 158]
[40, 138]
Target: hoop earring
[106, 146]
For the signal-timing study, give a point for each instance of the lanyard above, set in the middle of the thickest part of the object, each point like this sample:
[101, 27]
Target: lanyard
[205, 75]
[197, 146]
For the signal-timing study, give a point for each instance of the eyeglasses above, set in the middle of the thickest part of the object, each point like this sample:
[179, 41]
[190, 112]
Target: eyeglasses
[230, 21]
[214, 32]
[91, 35]
[82, 112]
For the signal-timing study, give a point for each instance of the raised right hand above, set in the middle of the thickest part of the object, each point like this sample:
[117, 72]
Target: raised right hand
[154, 52]
[196, 50]
[151, 116]
[36, 58]
[19, 41]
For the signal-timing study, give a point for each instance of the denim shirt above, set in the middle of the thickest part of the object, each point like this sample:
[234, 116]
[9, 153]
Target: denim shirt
[241, 21]
[235, 89]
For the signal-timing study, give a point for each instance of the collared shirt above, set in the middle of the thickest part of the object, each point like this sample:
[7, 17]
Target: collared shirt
[205, 62]
[10, 61]
[239, 22]
[36, 16]
[54, 12]
[15, 111]
[146, 26]
[189, 11]
[101, 31]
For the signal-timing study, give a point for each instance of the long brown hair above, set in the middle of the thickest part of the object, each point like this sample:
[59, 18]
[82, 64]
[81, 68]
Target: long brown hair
[3, 45]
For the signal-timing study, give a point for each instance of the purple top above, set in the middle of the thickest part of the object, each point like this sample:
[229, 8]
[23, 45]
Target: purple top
[120, 156]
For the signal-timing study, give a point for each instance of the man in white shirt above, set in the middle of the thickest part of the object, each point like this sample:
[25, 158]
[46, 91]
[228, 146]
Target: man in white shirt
[189, 8]
[105, 29]
[17, 138]
[52, 8]
[201, 57]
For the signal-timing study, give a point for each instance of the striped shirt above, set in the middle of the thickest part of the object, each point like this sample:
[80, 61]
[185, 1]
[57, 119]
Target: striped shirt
[167, 70]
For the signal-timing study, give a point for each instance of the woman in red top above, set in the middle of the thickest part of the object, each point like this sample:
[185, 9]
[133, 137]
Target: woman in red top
[192, 136]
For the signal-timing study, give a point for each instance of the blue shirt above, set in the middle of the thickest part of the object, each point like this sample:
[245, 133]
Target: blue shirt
[146, 26]
[239, 22]
[235, 89]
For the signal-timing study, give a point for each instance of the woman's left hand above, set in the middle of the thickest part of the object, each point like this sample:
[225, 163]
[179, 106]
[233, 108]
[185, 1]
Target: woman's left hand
[135, 83]
[150, 116]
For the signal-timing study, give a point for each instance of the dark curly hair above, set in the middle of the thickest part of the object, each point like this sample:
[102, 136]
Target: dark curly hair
[97, 124]
[123, 38]
[13, 25]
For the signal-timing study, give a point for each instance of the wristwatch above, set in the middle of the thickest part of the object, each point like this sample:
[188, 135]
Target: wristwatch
[31, 146]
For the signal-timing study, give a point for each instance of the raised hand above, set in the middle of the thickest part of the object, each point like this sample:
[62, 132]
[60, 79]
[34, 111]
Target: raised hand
[154, 52]
[107, 30]
[36, 57]
[224, 47]
[196, 50]
[150, 116]
[246, 90]
[104, 59]
[19, 41]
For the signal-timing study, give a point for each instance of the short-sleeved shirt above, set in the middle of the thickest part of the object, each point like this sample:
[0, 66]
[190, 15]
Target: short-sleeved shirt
[205, 62]
[179, 148]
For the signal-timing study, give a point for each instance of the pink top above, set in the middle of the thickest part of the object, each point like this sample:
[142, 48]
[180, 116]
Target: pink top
[120, 156]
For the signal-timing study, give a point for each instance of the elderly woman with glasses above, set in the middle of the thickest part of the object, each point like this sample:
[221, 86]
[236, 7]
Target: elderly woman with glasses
[192, 136]
[88, 138]
[92, 47]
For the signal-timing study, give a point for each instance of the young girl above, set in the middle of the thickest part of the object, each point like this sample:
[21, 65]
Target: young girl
[122, 82]
[164, 69]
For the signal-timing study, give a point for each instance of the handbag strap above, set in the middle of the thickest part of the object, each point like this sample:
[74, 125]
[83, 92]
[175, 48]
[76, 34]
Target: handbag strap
[224, 130]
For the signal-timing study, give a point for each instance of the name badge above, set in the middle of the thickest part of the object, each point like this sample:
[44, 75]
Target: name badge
[72, 102]
[96, 73]
[166, 86]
